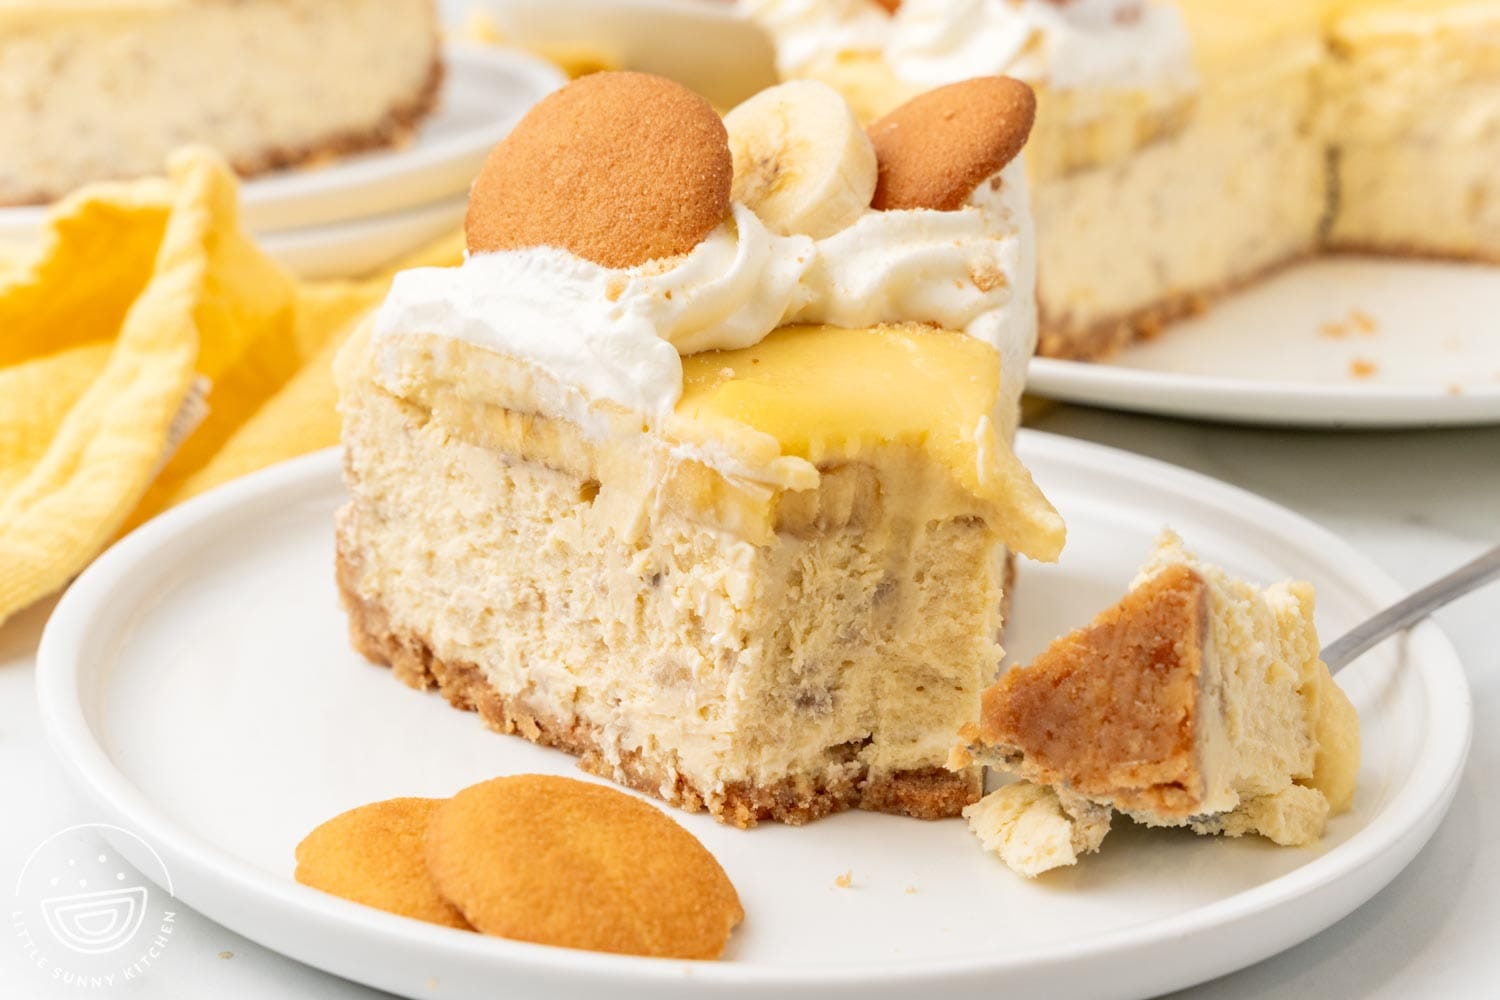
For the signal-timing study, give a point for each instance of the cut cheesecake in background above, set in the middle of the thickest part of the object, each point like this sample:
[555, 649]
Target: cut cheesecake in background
[1186, 149]
[719, 506]
[96, 91]
[1233, 189]
[1412, 110]
[1197, 701]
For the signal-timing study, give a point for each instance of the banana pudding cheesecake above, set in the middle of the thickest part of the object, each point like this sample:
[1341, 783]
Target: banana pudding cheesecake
[95, 90]
[1197, 701]
[699, 467]
[1186, 149]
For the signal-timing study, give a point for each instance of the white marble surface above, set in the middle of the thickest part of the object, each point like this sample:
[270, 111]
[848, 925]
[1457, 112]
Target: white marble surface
[1419, 503]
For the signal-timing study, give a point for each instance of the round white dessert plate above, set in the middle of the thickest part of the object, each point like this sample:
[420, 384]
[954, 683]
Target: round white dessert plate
[709, 47]
[1335, 342]
[199, 688]
[485, 91]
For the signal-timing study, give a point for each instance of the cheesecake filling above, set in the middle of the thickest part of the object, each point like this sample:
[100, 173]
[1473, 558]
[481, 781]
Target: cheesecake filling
[1412, 110]
[712, 635]
[1254, 728]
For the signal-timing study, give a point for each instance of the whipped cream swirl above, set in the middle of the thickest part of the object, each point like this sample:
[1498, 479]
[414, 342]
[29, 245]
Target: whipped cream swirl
[1064, 44]
[1080, 43]
[618, 333]
[806, 31]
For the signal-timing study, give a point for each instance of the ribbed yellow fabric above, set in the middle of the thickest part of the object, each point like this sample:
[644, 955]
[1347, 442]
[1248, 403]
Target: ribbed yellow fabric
[149, 351]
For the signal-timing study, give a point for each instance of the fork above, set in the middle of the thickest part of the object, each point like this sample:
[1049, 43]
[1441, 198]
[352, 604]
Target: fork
[1406, 613]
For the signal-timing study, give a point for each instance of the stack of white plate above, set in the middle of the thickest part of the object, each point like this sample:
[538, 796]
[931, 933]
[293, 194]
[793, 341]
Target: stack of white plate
[364, 211]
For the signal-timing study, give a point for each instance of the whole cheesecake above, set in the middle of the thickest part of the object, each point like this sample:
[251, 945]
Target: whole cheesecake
[102, 89]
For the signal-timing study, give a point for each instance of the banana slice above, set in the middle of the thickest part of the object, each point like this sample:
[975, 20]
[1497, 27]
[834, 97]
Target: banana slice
[801, 160]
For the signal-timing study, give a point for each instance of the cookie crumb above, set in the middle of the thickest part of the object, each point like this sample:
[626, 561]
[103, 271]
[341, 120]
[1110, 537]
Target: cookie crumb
[1363, 368]
[226, 954]
[1333, 331]
[846, 880]
[911, 890]
[1455, 389]
[1363, 321]
[987, 275]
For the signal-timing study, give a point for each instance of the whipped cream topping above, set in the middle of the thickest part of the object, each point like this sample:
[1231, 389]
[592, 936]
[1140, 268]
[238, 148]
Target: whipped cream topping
[618, 334]
[615, 333]
[1063, 45]
[1080, 43]
[806, 31]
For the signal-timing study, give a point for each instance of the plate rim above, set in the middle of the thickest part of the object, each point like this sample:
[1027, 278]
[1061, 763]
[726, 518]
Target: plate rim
[1394, 835]
[1260, 402]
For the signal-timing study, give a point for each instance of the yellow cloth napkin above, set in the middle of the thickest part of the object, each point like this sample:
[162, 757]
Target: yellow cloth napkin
[149, 351]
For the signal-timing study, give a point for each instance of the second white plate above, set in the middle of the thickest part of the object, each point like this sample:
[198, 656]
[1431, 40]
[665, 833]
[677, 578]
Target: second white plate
[355, 249]
[199, 687]
[1336, 342]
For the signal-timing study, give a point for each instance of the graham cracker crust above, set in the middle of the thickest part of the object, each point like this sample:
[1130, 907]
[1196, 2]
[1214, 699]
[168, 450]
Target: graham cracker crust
[1102, 340]
[392, 130]
[1358, 248]
[1110, 711]
[397, 125]
[921, 793]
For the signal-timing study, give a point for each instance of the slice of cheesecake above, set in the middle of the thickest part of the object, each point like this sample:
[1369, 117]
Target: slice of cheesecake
[722, 510]
[98, 91]
[1197, 701]
[1412, 110]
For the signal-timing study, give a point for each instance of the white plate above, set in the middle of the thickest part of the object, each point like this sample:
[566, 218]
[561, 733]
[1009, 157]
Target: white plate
[485, 91]
[704, 45]
[354, 249]
[1284, 352]
[199, 688]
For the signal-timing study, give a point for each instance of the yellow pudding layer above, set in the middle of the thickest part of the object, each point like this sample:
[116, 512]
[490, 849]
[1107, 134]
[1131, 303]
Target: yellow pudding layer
[829, 395]
[758, 430]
